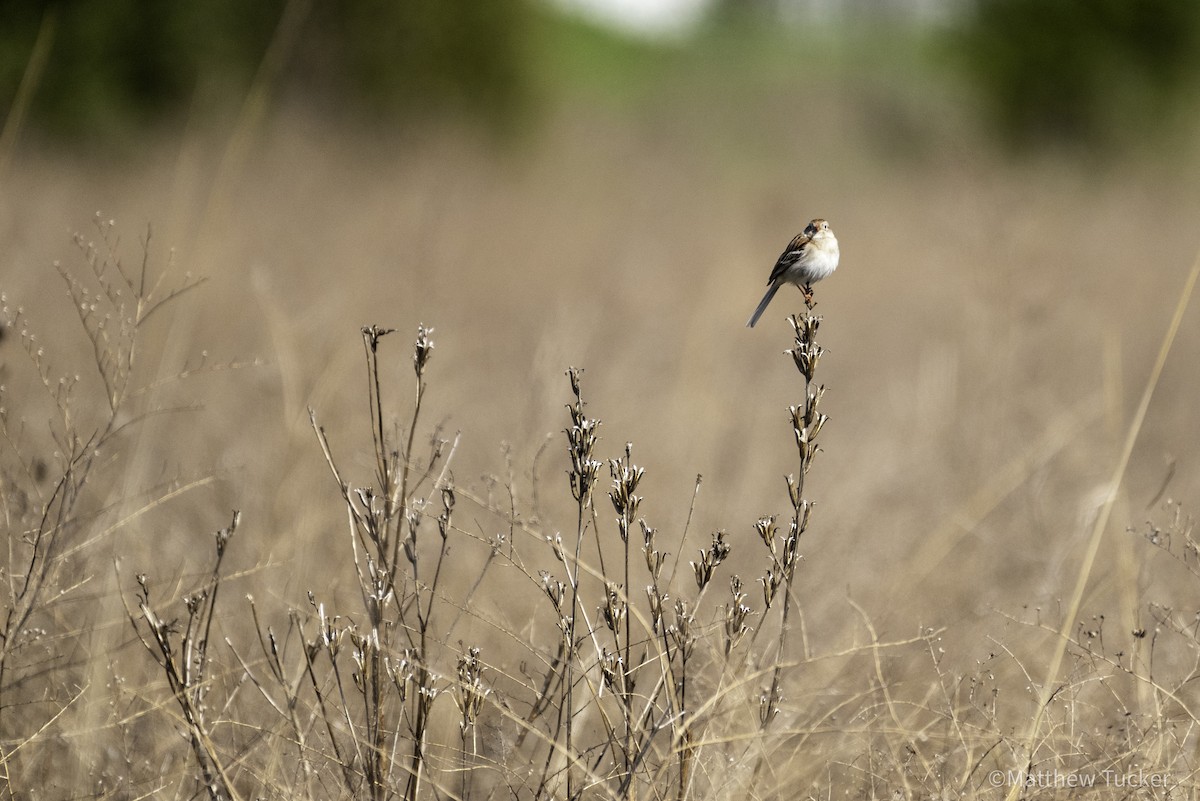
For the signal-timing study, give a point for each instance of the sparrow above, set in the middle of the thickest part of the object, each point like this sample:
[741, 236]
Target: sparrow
[808, 258]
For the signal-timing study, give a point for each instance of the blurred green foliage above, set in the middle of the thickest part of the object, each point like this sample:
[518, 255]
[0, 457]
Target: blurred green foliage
[575, 55]
[1088, 72]
[426, 55]
[117, 64]
[120, 63]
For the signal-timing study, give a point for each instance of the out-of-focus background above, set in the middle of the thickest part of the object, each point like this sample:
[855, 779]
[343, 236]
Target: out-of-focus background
[607, 184]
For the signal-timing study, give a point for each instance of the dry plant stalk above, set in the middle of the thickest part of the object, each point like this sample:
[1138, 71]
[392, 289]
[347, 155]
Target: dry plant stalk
[637, 667]
[630, 683]
[42, 484]
[807, 421]
[394, 647]
[185, 663]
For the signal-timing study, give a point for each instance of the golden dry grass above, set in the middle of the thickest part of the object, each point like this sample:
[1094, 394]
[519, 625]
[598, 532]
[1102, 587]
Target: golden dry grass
[989, 332]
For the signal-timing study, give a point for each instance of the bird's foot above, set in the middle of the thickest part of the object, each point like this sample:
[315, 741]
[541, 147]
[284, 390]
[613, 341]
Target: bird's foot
[808, 296]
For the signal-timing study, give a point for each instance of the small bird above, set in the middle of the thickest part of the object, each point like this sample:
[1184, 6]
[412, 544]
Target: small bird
[808, 258]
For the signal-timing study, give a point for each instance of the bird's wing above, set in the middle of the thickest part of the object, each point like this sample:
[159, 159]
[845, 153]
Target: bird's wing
[791, 254]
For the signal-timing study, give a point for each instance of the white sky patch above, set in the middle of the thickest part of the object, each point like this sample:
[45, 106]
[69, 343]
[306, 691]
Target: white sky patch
[677, 17]
[647, 17]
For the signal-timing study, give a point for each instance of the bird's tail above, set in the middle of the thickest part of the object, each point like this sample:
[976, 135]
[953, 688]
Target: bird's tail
[762, 307]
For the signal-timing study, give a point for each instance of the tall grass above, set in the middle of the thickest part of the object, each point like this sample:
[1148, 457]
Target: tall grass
[490, 650]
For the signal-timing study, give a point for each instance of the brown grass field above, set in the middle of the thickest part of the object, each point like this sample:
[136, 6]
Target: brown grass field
[989, 335]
